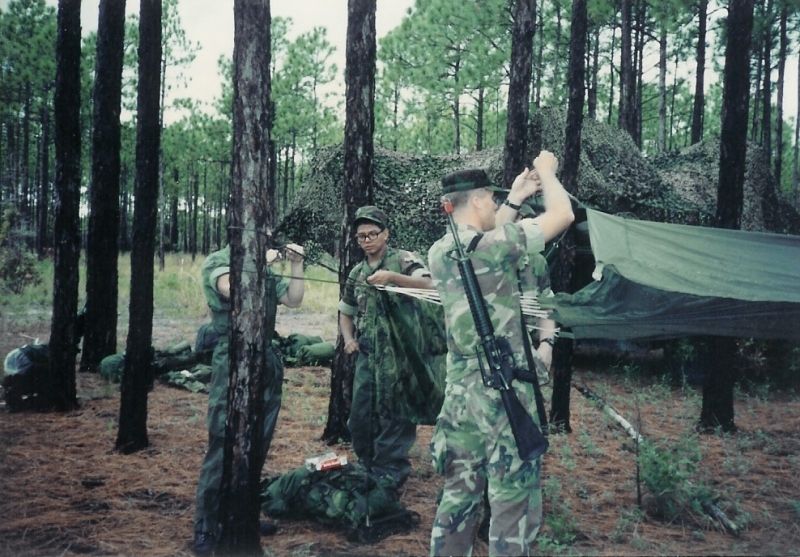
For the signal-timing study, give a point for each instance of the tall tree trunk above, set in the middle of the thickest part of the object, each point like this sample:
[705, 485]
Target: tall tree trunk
[42, 238]
[662, 89]
[539, 57]
[102, 249]
[563, 271]
[755, 130]
[58, 390]
[784, 45]
[718, 386]
[124, 240]
[611, 74]
[515, 147]
[132, 434]
[638, 57]
[766, 96]
[252, 322]
[357, 187]
[592, 94]
[26, 150]
[699, 83]
[627, 98]
[796, 150]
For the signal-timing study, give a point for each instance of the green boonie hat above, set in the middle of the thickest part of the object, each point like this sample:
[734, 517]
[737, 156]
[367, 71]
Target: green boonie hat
[469, 179]
[372, 214]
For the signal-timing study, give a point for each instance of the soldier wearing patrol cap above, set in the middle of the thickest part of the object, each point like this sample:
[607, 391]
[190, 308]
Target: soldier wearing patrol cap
[380, 442]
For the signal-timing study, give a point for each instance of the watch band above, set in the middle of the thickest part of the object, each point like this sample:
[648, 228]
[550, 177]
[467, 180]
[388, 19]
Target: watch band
[512, 205]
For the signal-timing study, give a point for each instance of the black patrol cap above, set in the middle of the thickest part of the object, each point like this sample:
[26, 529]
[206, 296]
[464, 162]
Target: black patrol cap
[469, 179]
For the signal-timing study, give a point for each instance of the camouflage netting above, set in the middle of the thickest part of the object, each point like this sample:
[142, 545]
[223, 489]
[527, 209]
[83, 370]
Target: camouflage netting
[614, 177]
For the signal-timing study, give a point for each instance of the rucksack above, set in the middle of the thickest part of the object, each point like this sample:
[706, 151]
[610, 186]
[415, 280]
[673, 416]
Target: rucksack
[339, 497]
[23, 369]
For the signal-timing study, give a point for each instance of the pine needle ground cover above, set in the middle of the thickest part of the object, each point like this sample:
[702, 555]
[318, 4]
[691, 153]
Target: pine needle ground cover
[66, 492]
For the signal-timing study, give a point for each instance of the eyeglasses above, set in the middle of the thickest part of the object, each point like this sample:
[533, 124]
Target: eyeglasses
[368, 236]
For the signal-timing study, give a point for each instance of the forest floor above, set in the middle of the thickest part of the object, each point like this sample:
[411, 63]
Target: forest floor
[64, 491]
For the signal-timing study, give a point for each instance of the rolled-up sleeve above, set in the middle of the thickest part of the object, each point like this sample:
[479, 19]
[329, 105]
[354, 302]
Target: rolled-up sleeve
[534, 240]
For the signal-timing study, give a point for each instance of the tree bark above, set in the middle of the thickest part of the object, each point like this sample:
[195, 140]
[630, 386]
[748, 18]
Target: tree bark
[718, 386]
[515, 148]
[784, 45]
[252, 319]
[766, 96]
[132, 434]
[563, 271]
[58, 390]
[102, 249]
[357, 188]
[42, 238]
[699, 84]
[627, 116]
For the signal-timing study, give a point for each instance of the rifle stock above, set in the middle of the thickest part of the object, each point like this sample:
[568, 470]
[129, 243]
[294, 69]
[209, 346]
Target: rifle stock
[531, 444]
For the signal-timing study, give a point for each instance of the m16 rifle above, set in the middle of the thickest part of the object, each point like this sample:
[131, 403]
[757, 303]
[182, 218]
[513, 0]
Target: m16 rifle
[497, 354]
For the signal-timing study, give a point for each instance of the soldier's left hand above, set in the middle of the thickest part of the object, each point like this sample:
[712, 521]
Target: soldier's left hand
[380, 278]
[294, 252]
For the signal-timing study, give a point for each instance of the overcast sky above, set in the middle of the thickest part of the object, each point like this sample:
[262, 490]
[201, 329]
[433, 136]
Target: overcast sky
[210, 22]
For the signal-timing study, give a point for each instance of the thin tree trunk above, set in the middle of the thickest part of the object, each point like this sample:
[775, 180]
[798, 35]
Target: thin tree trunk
[132, 433]
[662, 90]
[699, 84]
[563, 271]
[252, 313]
[766, 97]
[44, 201]
[718, 386]
[796, 162]
[357, 186]
[627, 117]
[102, 249]
[784, 45]
[515, 147]
[592, 95]
[58, 390]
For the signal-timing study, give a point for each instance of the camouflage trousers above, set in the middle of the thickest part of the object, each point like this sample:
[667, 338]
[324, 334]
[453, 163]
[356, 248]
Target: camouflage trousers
[207, 511]
[383, 440]
[472, 444]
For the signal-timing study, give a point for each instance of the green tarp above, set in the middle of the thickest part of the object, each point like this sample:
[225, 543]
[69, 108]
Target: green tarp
[667, 280]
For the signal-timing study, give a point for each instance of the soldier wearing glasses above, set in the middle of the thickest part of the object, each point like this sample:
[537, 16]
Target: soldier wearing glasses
[380, 441]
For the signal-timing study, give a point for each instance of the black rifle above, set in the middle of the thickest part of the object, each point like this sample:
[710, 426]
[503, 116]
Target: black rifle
[498, 355]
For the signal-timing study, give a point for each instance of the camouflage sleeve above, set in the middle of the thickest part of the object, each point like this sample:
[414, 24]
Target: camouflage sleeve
[411, 265]
[533, 239]
[348, 304]
[281, 287]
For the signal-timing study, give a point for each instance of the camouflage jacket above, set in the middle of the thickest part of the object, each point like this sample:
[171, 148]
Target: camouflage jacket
[355, 298]
[498, 257]
[214, 266]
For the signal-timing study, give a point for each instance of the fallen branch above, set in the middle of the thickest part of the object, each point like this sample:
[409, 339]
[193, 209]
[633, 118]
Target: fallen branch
[591, 395]
[715, 512]
[710, 508]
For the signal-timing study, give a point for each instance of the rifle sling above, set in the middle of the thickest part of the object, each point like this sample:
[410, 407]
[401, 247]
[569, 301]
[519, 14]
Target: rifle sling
[527, 376]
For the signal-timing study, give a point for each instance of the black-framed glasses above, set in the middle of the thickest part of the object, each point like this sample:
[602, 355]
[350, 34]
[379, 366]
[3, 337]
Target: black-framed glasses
[363, 237]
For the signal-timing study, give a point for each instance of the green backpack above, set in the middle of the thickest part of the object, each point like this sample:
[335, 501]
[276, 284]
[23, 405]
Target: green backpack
[339, 497]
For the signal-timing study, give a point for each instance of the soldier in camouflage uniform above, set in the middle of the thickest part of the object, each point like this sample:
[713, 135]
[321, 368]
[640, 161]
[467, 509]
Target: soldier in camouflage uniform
[380, 442]
[473, 443]
[216, 287]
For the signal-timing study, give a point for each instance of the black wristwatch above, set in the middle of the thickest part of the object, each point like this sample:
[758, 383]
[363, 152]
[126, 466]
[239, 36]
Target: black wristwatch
[512, 205]
[549, 340]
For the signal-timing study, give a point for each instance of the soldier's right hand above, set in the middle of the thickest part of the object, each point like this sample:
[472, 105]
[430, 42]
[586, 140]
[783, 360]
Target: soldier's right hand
[351, 346]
